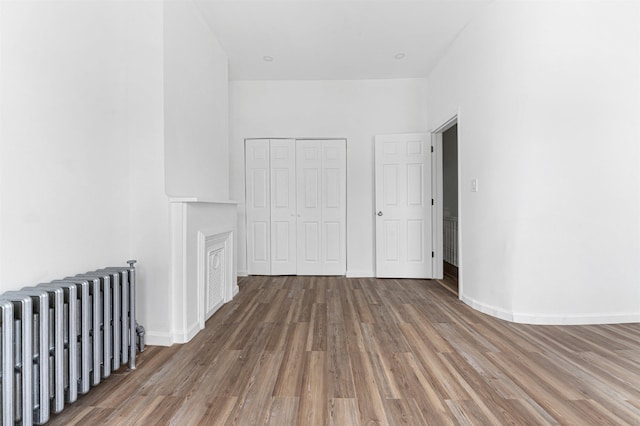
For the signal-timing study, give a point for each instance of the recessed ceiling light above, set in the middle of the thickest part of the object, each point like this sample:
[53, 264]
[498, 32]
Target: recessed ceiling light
[268, 58]
[400, 56]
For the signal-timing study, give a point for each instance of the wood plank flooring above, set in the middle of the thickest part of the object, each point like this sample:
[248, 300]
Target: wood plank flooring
[450, 279]
[338, 351]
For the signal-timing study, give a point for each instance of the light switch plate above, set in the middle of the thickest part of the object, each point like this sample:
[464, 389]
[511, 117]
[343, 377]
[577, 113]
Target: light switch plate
[474, 185]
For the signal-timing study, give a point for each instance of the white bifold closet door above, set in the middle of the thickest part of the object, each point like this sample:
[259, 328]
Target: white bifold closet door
[258, 206]
[283, 207]
[296, 207]
[321, 176]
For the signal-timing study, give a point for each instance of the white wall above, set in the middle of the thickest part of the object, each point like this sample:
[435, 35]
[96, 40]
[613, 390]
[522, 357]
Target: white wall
[148, 203]
[355, 110]
[82, 152]
[548, 101]
[82, 175]
[196, 106]
[73, 89]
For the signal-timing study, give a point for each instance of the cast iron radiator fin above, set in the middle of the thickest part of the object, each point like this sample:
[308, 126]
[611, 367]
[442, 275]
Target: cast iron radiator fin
[59, 339]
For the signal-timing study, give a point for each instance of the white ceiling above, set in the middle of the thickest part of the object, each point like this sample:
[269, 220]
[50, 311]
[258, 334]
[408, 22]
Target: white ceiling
[329, 39]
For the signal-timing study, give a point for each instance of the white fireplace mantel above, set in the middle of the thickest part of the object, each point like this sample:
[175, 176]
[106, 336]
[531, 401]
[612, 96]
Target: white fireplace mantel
[193, 223]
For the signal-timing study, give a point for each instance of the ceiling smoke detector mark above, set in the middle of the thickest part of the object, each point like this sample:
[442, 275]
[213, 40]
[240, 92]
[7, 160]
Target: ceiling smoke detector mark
[268, 58]
[399, 56]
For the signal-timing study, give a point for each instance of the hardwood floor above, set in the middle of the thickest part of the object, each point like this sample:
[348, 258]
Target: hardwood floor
[450, 279]
[331, 350]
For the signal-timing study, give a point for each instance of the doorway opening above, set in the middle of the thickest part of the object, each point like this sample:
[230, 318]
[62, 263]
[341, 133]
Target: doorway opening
[447, 213]
[450, 207]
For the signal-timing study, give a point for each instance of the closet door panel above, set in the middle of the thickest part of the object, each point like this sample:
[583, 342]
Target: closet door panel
[283, 207]
[258, 206]
[332, 244]
[309, 213]
[334, 200]
[296, 207]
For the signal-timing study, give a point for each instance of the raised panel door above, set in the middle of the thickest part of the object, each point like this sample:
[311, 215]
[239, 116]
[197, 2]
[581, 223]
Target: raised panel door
[258, 206]
[334, 200]
[309, 212]
[403, 206]
[283, 207]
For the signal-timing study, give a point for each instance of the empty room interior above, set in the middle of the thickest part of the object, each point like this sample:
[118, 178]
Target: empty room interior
[342, 212]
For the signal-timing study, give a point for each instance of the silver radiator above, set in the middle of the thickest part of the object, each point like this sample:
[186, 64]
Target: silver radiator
[60, 338]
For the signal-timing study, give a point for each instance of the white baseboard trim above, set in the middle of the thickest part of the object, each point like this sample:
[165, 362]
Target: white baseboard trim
[360, 273]
[547, 319]
[157, 338]
[575, 319]
[188, 334]
[352, 273]
[487, 309]
[236, 290]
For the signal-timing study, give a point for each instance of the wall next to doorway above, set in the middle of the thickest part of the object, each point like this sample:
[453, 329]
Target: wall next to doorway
[548, 101]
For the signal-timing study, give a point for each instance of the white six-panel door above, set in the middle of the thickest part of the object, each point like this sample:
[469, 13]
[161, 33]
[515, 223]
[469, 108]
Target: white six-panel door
[302, 228]
[334, 207]
[321, 174]
[403, 206]
[258, 206]
[283, 207]
[309, 174]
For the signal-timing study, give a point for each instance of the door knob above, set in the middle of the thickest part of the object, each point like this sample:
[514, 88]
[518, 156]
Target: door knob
[380, 213]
